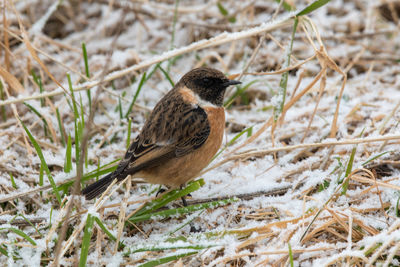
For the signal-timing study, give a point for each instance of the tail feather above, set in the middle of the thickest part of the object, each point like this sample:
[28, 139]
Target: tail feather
[98, 187]
[95, 189]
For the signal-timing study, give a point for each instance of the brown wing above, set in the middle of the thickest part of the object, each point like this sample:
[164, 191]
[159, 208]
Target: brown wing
[173, 129]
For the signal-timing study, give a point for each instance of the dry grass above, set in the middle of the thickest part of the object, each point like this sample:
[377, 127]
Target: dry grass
[319, 171]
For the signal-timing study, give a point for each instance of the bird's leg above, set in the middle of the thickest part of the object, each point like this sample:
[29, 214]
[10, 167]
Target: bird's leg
[184, 202]
[183, 198]
[160, 191]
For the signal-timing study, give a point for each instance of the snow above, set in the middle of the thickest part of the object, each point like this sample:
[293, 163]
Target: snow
[370, 95]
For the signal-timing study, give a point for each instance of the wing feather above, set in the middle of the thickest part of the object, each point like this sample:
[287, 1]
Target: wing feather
[174, 129]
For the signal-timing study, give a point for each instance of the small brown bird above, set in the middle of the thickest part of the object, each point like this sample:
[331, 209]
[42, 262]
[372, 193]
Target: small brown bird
[182, 134]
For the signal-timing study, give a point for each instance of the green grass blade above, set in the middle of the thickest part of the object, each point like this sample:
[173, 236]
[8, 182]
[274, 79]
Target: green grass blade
[68, 156]
[85, 60]
[232, 19]
[371, 250]
[188, 221]
[175, 19]
[31, 224]
[75, 108]
[171, 61]
[51, 216]
[239, 92]
[36, 112]
[21, 234]
[82, 111]
[351, 161]
[141, 83]
[167, 259]
[41, 175]
[3, 250]
[76, 123]
[106, 231]
[43, 161]
[39, 83]
[120, 108]
[106, 168]
[169, 197]
[340, 186]
[128, 138]
[45, 125]
[325, 184]
[172, 247]
[104, 228]
[290, 255]
[222, 9]
[375, 157]
[93, 174]
[247, 130]
[250, 132]
[397, 208]
[81, 127]
[152, 71]
[180, 211]
[60, 126]
[78, 137]
[225, 13]
[87, 235]
[98, 168]
[311, 223]
[311, 7]
[278, 108]
[89, 96]
[348, 169]
[68, 102]
[286, 6]
[233, 140]
[166, 75]
[14, 185]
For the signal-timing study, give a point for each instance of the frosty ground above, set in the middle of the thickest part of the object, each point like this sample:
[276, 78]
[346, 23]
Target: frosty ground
[305, 180]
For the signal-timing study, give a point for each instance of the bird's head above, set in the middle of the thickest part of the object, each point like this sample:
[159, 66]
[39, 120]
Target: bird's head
[208, 83]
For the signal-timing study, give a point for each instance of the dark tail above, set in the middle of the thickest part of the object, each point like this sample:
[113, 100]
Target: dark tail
[98, 187]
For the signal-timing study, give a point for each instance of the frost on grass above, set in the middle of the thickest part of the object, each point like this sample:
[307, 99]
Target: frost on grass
[308, 197]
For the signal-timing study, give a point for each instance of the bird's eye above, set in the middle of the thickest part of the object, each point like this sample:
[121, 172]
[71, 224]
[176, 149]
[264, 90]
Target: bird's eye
[206, 81]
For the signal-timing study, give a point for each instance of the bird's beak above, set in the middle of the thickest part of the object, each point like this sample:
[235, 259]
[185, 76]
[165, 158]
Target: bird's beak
[231, 82]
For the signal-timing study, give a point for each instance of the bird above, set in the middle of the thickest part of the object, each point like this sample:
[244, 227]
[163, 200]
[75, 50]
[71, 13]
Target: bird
[183, 132]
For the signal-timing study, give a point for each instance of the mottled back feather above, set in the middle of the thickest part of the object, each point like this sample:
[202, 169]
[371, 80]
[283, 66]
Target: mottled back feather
[173, 129]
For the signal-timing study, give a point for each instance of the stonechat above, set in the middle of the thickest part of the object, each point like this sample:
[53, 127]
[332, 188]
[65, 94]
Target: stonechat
[180, 137]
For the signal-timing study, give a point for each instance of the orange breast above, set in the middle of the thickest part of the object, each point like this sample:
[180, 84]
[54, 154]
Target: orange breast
[181, 170]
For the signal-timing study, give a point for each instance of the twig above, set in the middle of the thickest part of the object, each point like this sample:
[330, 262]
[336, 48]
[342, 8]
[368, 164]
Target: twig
[247, 196]
[261, 153]
[22, 222]
[205, 43]
[282, 70]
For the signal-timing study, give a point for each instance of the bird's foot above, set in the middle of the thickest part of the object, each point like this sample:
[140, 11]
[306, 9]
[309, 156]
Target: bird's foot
[194, 229]
[160, 191]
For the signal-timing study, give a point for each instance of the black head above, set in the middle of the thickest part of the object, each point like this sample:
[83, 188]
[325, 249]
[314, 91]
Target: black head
[209, 84]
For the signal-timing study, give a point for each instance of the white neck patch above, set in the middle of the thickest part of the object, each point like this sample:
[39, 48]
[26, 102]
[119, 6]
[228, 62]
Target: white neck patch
[203, 103]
